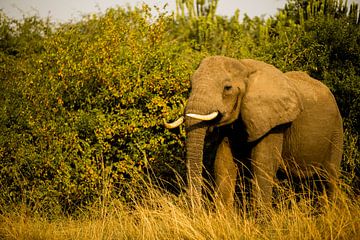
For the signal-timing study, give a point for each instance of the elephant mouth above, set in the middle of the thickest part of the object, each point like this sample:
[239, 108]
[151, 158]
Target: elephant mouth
[218, 118]
[215, 117]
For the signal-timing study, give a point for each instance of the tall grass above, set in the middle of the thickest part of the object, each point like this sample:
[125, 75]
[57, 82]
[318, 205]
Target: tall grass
[160, 215]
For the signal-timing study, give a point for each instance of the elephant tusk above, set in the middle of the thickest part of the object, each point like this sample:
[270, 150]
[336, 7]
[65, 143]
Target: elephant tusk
[174, 124]
[207, 117]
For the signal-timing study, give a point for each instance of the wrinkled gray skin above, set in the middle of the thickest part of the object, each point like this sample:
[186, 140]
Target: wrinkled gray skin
[288, 119]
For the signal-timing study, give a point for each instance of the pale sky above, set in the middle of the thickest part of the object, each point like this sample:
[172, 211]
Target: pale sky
[65, 10]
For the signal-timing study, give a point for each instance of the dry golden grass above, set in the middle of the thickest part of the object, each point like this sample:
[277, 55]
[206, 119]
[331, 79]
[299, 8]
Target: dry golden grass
[164, 216]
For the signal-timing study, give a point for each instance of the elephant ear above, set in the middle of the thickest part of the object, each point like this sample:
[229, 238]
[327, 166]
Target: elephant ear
[270, 100]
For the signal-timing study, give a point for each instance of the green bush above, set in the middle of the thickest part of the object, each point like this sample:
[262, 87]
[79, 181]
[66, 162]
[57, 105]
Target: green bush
[89, 110]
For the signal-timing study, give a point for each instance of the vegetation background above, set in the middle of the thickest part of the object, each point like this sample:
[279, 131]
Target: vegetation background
[82, 106]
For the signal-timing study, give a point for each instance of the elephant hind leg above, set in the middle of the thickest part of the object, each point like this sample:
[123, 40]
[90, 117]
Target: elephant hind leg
[332, 177]
[332, 167]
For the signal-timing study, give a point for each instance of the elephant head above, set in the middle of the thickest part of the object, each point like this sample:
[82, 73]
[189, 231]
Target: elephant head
[225, 90]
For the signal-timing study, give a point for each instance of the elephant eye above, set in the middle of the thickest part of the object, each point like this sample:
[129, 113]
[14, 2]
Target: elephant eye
[227, 88]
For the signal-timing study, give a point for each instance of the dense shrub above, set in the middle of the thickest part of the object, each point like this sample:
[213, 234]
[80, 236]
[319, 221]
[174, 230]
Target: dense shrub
[86, 114]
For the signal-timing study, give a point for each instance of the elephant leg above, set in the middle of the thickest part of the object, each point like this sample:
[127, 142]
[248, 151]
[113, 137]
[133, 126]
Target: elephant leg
[225, 175]
[266, 157]
[333, 165]
[332, 174]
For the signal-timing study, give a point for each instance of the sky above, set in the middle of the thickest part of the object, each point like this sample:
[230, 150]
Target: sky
[66, 10]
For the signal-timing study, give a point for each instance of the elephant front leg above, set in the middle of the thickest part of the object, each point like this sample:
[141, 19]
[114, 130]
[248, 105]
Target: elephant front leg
[225, 175]
[265, 162]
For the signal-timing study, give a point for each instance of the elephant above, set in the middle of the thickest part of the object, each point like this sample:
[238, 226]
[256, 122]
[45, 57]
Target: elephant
[274, 119]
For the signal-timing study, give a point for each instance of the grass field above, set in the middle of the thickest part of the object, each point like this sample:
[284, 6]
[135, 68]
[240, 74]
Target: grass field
[164, 216]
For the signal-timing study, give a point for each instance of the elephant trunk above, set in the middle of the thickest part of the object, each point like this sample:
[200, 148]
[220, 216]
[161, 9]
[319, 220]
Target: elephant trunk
[194, 155]
[201, 109]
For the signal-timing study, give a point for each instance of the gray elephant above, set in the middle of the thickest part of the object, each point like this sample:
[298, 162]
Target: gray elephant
[275, 119]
